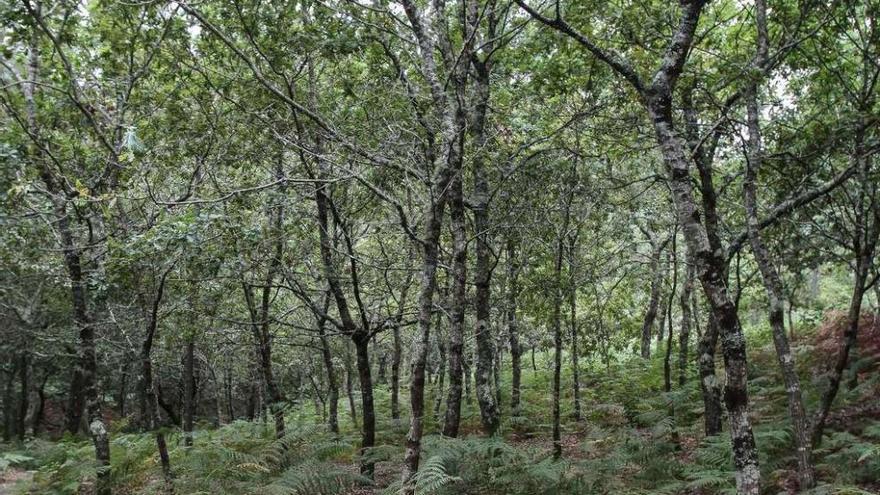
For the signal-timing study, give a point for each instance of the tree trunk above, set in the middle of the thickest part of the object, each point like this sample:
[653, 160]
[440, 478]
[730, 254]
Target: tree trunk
[466, 366]
[850, 336]
[769, 274]
[667, 358]
[497, 365]
[332, 382]
[123, 390]
[188, 392]
[708, 381]
[263, 342]
[32, 412]
[684, 335]
[573, 327]
[704, 152]
[349, 388]
[84, 389]
[512, 331]
[451, 120]
[482, 281]
[368, 436]
[395, 374]
[9, 403]
[711, 270]
[456, 311]
[24, 393]
[430, 246]
[654, 300]
[667, 364]
[557, 348]
[556, 323]
[88, 368]
[150, 386]
[75, 403]
[41, 405]
[441, 372]
[663, 310]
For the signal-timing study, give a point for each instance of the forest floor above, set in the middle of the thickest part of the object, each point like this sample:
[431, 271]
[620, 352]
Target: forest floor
[13, 479]
[627, 442]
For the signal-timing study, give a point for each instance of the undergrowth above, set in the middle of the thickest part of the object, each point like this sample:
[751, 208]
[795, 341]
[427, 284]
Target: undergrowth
[633, 439]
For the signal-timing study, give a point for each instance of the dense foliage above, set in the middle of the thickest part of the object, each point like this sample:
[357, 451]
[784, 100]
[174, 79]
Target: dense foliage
[439, 246]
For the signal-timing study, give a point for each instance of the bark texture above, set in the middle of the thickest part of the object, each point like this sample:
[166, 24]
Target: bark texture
[456, 311]
[654, 298]
[769, 274]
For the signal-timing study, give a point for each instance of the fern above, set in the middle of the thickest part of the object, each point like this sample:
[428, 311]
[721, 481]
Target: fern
[432, 476]
[314, 478]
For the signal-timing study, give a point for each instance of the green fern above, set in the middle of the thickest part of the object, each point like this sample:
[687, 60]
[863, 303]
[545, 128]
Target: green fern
[432, 476]
[314, 478]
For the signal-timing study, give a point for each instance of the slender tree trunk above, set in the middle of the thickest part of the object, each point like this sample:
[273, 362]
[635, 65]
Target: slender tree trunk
[456, 314]
[573, 327]
[41, 405]
[441, 372]
[667, 358]
[123, 390]
[33, 411]
[430, 246]
[75, 403]
[482, 69]
[512, 331]
[381, 356]
[865, 217]
[24, 393]
[397, 351]
[88, 369]
[711, 270]
[395, 374]
[368, 434]
[556, 323]
[497, 369]
[685, 334]
[557, 350]
[332, 382]
[708, 381]
[663, 310]
[349, 388]
[84, 382]
[654, 299]
[150, 386]
[188, 392]
[704, 152]
[228, 385]
[359, 334]
[769, 274]
[451, 119]
[850, 336]
[262, 337]
[482, 280]
[9, 403]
